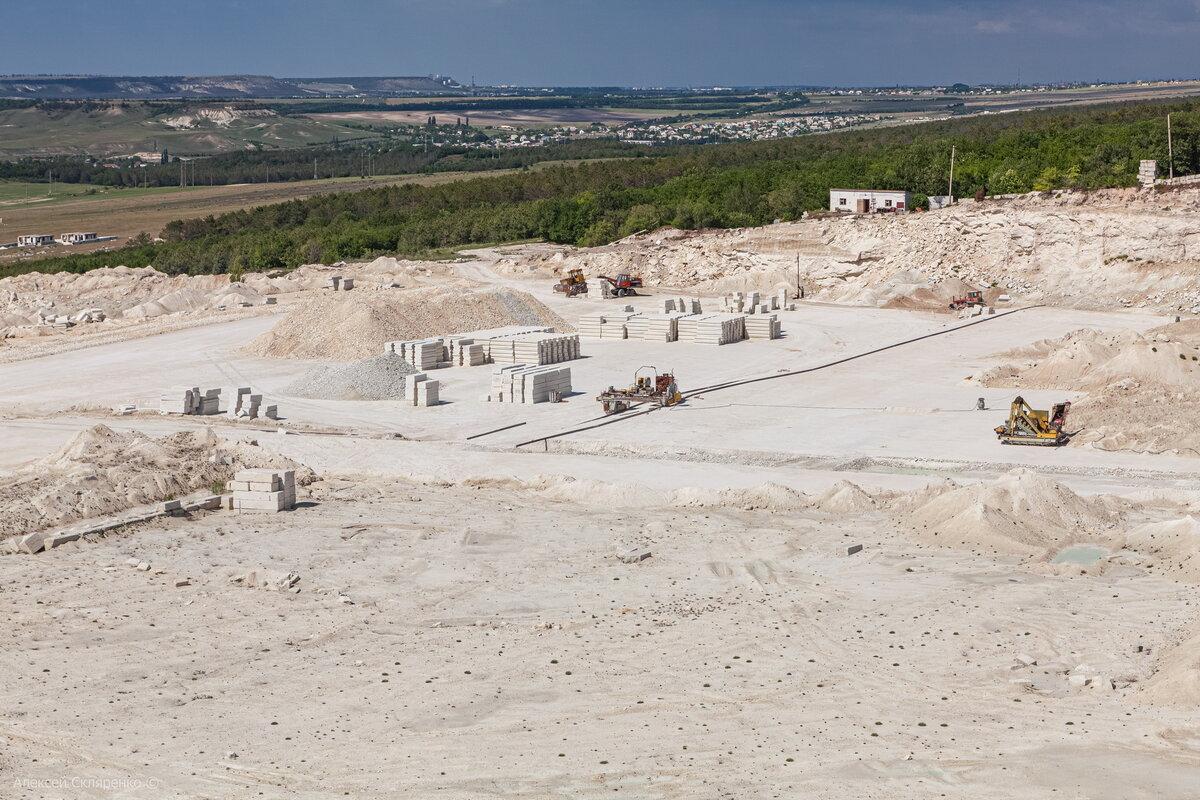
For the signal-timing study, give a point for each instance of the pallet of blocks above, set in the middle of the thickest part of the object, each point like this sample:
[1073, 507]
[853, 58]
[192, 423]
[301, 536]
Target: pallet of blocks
[522, 383]
[655, 327]
[421, 353]
[190, 400]
[763, 326]
[417, 393]
[716, 329]
[535, 348]
[263, 490]
[609, 325]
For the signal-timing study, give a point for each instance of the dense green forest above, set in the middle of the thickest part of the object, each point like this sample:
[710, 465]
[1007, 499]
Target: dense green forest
[342, 160]
[709, 186]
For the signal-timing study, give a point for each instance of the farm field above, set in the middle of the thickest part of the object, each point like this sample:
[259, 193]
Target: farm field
[125, 213]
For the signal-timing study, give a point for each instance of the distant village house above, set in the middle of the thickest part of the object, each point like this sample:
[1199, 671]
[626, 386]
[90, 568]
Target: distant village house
[868, 201]
[34, 240]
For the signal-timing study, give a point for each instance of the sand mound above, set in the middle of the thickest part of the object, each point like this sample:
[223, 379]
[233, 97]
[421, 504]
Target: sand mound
[1088, 360]
[1172, 548]
[1021, 512]
[1140, 386]
[845, 498]
[102, 472]
[1176, 681]
[765, 497]
[357, 324]
[377, 378]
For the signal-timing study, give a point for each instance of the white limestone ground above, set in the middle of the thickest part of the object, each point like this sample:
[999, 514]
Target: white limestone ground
[464, 625]
[452, 641]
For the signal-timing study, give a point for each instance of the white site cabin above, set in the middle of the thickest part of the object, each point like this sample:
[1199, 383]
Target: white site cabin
[868, 201]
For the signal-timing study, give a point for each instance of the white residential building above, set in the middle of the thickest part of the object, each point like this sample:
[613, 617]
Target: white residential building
[34, 240]
[868, 201]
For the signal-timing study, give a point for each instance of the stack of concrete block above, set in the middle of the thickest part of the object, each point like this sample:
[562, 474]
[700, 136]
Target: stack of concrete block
[763, 326]
[338, 283]
[716, 329]
[655, 327]
[534, 348]
[190, 400]
[609, 325]
[263, 490]
[522, 383]
[426, 393]
[239, 399]
[421, 391]
[421, 353]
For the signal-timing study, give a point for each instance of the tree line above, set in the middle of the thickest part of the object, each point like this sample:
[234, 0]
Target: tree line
[729, 185]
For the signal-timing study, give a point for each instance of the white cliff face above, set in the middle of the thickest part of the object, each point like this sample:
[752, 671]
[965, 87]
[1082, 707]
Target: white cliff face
[1094, 250]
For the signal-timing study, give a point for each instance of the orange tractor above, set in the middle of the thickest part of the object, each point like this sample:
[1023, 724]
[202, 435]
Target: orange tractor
[621, 286]
[973, 298]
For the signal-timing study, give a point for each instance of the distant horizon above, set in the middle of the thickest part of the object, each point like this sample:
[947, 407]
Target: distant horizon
[718, 86]
[623, 43]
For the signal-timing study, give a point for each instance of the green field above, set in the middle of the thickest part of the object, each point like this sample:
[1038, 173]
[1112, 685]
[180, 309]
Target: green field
[112, 129]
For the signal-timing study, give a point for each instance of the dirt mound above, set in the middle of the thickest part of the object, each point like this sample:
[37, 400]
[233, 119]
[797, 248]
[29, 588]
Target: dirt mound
[1172, 548]
[1021, 512]
[765, 497]
[1176, 681]
[1140, 386]
[376, 378]
[845, 498]
[357, 324]
[1089, 359]
[102, 472]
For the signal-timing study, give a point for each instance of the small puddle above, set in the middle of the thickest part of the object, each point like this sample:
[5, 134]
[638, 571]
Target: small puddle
[1085, 555]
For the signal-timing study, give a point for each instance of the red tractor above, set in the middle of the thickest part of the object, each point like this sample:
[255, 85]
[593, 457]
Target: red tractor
[973, 298]
[622, 285]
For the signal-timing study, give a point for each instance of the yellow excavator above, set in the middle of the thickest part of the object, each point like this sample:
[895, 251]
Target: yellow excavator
[572, 284]
[1027, 425]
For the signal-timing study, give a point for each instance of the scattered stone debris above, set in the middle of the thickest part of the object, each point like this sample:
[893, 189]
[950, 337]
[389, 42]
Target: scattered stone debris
[634, 555]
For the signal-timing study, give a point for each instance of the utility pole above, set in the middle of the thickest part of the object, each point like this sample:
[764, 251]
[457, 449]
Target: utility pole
[51, 183]
[1170, 151]
[951, 192]
[314, 169]
[798, 289]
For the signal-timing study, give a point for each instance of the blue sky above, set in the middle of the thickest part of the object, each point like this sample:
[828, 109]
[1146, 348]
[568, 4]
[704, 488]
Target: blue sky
[616, 42]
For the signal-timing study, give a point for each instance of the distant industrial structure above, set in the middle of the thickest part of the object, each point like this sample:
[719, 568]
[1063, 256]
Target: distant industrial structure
[35, 240]
[78, 238]
[868, 201]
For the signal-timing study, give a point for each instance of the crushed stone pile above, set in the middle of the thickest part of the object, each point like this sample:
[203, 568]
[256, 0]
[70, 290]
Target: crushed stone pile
[102, 472]
[357, 325]
[1094, 249]
[1019, 513]
[379, 377]
[1140, 387]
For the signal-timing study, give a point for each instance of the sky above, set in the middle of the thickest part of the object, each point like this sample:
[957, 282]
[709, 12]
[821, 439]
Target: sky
[612, 42]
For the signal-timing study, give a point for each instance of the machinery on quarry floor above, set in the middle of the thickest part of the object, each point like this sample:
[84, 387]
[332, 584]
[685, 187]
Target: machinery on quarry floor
[660, 390]
[621, 286]
[1026, 425]
[972, 298]
[572, 284]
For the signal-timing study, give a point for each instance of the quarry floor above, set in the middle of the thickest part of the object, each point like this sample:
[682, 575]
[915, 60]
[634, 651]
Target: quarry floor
[490, 643]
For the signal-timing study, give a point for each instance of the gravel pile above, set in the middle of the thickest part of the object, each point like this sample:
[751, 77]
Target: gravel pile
[376, 378]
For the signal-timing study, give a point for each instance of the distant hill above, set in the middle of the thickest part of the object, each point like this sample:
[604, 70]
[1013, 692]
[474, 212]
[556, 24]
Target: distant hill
[62, 87]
